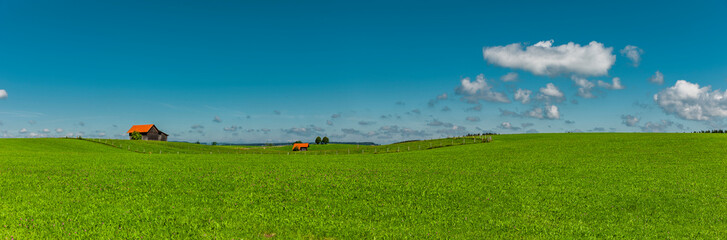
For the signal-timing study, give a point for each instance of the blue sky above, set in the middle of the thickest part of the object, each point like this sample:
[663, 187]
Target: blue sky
[359, 71]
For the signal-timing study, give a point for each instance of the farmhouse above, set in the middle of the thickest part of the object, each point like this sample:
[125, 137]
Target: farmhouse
[300, 146]
[148, 132]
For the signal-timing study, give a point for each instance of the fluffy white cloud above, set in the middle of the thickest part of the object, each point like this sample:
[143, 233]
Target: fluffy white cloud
[59, 130]
[3, 94]
[23, 131]
[547, 112]
[508, 125]
[534, 113]
[615, 85]
[510, 77]
[551, 90]
[584, 87]
[633, 53]
[658, 78]
[551, 112]
[45, 130]
[473, 91]
[523, 95]
[689, 101]
[470, 87]
[545, 59]
[629, 120]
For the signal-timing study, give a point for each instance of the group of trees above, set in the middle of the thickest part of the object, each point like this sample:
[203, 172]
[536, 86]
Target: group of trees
[320, 140]
[712, 131]
[480, 134]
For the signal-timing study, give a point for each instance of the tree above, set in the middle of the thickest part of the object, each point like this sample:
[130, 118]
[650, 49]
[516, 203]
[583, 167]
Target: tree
[318, 140]
[325, 140]
[214, 143]
[298, 141]
[136, 135]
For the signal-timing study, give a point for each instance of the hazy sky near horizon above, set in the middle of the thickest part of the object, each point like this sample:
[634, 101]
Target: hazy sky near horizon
[379, 71]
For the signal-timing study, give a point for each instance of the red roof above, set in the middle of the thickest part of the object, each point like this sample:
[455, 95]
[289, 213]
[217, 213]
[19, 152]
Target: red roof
[300, 145]
[140, 128]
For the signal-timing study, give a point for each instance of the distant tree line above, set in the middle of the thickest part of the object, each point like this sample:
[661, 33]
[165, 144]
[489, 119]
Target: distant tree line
[711, 131]
[480, 134]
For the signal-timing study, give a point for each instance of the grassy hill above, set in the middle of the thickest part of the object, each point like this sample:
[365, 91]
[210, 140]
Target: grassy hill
[155, 147]
[610, 185]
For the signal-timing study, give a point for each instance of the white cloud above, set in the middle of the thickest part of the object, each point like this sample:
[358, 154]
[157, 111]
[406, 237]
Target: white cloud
[470, 87]
[657, 127]
[329, 122]
[437, 123]
[629, 120]
[510, 77]
[45, 130]
[584, 87]
[230, 129]
[633, 53]
[3, 94]
[615, 85]
[658, 78]
[689, 101]
[508, 125]
[545, 59]
[551, 112]
[551, 90]
[59, 130]
[217, 119]
[442, 97]
[436, 100]
[534, 113]
[547, 112]
[23, 131]
[304, 131]
[473, 91]
[453, 131]
[523, 95]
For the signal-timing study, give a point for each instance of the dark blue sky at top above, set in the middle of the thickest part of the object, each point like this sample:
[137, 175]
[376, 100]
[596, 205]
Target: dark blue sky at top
[285, 66]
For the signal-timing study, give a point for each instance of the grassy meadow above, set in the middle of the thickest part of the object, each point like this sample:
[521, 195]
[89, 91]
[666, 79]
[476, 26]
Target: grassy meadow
[562, 186]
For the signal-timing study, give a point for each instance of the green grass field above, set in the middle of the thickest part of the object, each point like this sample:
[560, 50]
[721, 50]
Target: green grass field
[561, 186]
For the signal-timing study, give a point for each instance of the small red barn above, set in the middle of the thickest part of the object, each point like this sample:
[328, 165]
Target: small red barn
[301, 146]
[148, 132]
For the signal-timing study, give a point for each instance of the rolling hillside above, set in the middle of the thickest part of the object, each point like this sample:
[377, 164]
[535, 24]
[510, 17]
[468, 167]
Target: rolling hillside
[610, 185]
